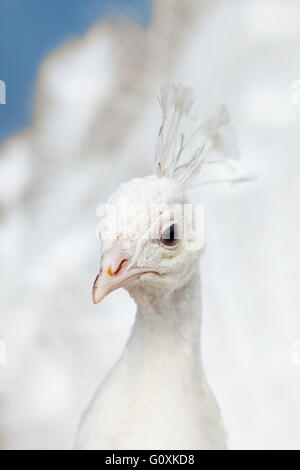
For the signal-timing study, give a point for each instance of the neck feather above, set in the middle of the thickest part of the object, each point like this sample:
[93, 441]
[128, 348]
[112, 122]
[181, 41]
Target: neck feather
[168, 325]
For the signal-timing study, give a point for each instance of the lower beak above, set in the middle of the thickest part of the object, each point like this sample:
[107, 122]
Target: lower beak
[107, 282]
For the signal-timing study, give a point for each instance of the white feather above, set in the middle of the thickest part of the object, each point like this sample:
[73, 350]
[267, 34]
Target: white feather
[175, 156]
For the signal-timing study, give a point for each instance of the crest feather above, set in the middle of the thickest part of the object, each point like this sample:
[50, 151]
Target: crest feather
[186, 143]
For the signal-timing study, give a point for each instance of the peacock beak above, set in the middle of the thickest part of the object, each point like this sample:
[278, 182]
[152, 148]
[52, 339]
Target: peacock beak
[115, 272]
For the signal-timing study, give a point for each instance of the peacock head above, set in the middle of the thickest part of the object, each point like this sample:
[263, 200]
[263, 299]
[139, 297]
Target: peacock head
[151, 237]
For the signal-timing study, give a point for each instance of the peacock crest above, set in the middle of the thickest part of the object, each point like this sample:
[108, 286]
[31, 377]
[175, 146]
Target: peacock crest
[187, 144]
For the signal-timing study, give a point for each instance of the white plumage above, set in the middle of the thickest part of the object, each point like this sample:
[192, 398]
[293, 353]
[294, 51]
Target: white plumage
[157, 396]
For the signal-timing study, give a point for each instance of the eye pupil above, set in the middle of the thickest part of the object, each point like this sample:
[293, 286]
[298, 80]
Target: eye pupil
[169, 236]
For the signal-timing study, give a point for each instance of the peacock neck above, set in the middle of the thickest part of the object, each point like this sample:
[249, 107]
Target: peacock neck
[167, 327]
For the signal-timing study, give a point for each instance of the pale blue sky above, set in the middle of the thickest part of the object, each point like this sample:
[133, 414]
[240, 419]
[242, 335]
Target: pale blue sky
[30, 29]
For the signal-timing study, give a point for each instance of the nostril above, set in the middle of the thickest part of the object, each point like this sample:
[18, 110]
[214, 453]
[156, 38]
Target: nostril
[114, 259]
[121, 265]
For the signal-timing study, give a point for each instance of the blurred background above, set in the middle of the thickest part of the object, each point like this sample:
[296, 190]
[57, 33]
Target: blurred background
[80, 117]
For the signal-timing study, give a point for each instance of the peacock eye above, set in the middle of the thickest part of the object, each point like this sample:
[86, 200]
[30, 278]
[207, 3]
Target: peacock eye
[169, 237]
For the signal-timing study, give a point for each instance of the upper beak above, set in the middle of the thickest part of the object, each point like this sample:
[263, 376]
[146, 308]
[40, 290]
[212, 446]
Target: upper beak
[114, 272]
